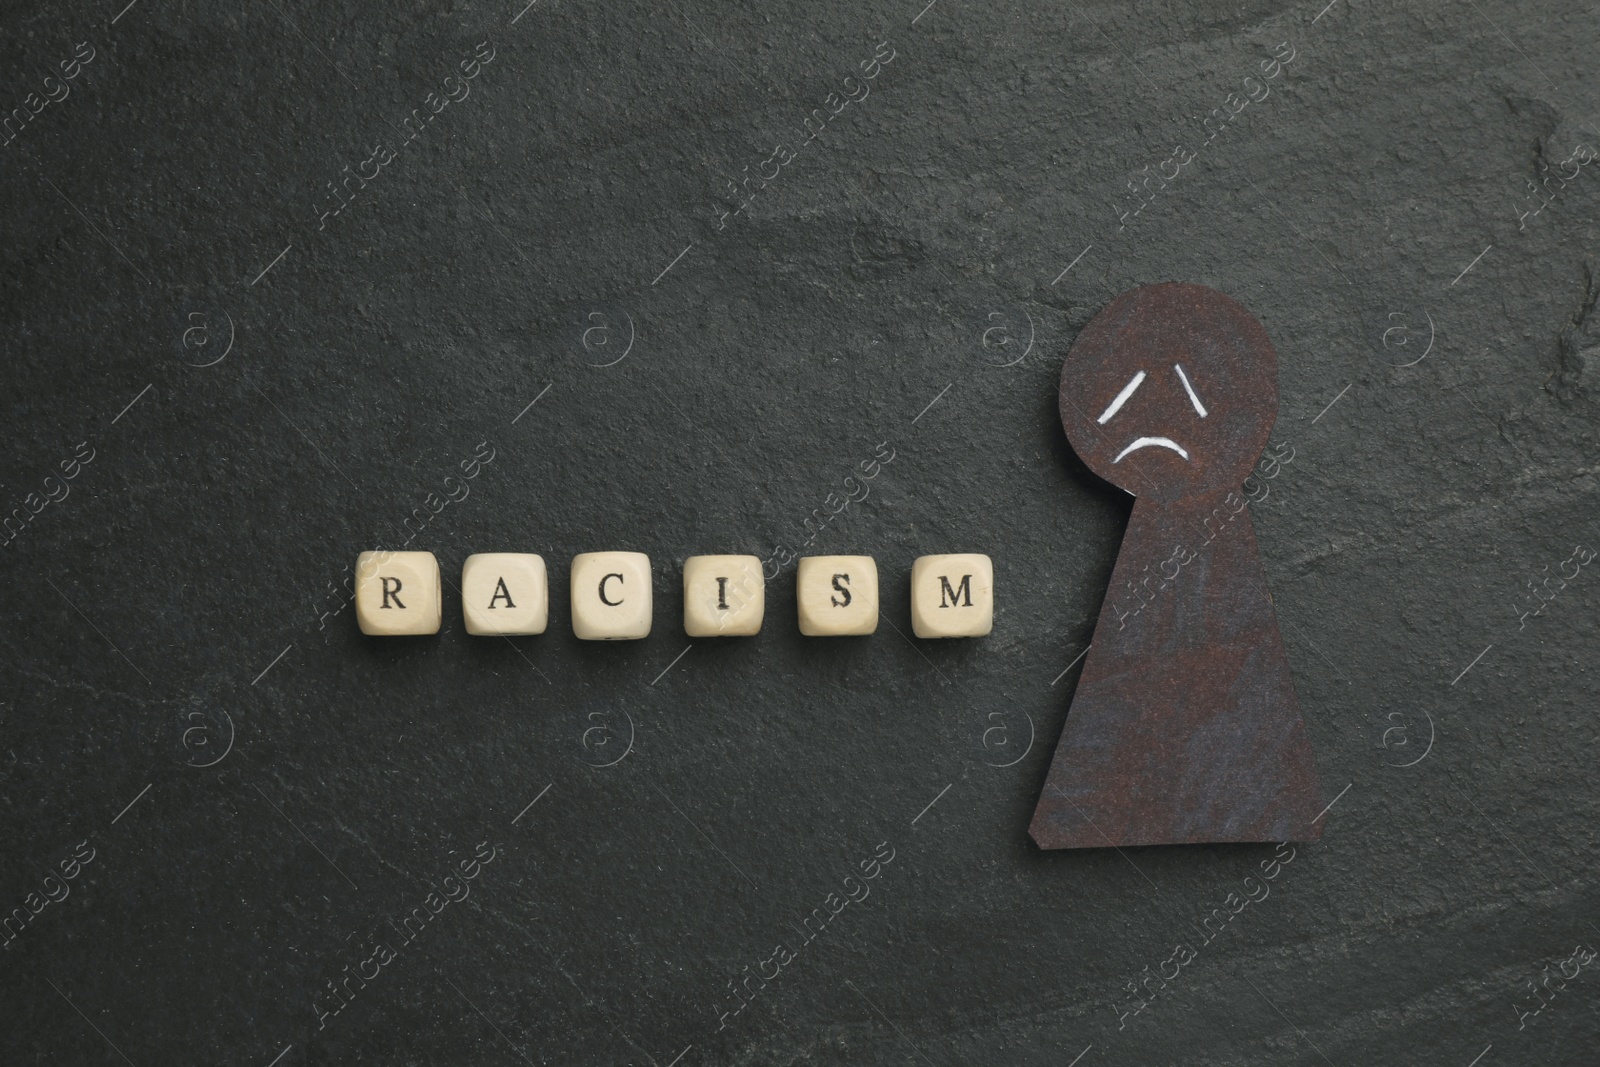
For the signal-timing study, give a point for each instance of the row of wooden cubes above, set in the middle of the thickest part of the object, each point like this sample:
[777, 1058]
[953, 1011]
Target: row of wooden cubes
[506, 594]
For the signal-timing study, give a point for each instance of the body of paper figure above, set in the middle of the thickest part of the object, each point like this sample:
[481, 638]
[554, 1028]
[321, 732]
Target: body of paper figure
[1184, 727]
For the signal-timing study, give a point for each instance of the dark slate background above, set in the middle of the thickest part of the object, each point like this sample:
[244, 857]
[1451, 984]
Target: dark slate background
[175, 636]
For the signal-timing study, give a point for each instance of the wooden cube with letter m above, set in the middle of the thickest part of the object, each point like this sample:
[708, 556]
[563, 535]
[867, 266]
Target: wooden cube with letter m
[952, 596]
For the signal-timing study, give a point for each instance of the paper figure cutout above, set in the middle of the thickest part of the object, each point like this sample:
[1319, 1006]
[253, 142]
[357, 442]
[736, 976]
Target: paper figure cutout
[1184, 727]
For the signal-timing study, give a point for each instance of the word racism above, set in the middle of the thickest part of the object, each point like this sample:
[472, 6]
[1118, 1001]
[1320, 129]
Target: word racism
[782, 956]
[455, 890]
[70, 469]
[33, 103]
[55, 891]
[1183, 954]
[1580, 958]
[415, 123]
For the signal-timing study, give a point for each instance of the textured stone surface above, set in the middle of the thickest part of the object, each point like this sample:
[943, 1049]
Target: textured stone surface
[233, 391]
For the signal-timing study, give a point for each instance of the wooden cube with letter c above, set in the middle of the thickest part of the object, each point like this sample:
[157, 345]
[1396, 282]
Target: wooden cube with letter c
[952, 595]
[611, 596]
[838, 595]
[397, 593]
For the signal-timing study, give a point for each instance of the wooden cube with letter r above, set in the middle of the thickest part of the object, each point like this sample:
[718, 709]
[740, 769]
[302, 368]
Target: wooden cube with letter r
[397, 593]
[952, 595]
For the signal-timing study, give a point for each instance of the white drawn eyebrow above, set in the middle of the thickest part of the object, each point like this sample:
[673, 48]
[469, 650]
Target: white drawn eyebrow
[1122, 398]
[1201, 408]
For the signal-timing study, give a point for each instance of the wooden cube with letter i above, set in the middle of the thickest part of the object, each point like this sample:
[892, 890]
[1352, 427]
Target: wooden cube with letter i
[723, 596]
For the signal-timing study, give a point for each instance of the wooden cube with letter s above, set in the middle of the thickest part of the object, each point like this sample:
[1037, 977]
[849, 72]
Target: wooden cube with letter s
[838, 595]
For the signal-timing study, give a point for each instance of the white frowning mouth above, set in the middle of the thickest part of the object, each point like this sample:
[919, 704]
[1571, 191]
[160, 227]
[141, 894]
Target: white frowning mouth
[1147, 442]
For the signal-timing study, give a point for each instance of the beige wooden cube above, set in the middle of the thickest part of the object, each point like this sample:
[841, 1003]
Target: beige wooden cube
[952, 596]
[723, 596]
[397, 593]
[838, 595]
[505, 594]
[611, 596]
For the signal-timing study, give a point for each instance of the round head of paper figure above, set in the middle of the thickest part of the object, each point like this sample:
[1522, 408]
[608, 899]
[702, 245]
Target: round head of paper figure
[1171, 391]
[1184, 726]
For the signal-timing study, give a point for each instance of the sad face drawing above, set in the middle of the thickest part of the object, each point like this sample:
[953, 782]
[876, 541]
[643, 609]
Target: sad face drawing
[1184, 727]
[1170, 392]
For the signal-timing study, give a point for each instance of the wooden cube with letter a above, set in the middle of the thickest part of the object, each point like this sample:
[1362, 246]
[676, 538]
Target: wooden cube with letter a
[952, 596]
[505, 594]
[397, 593]
[838, 595]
